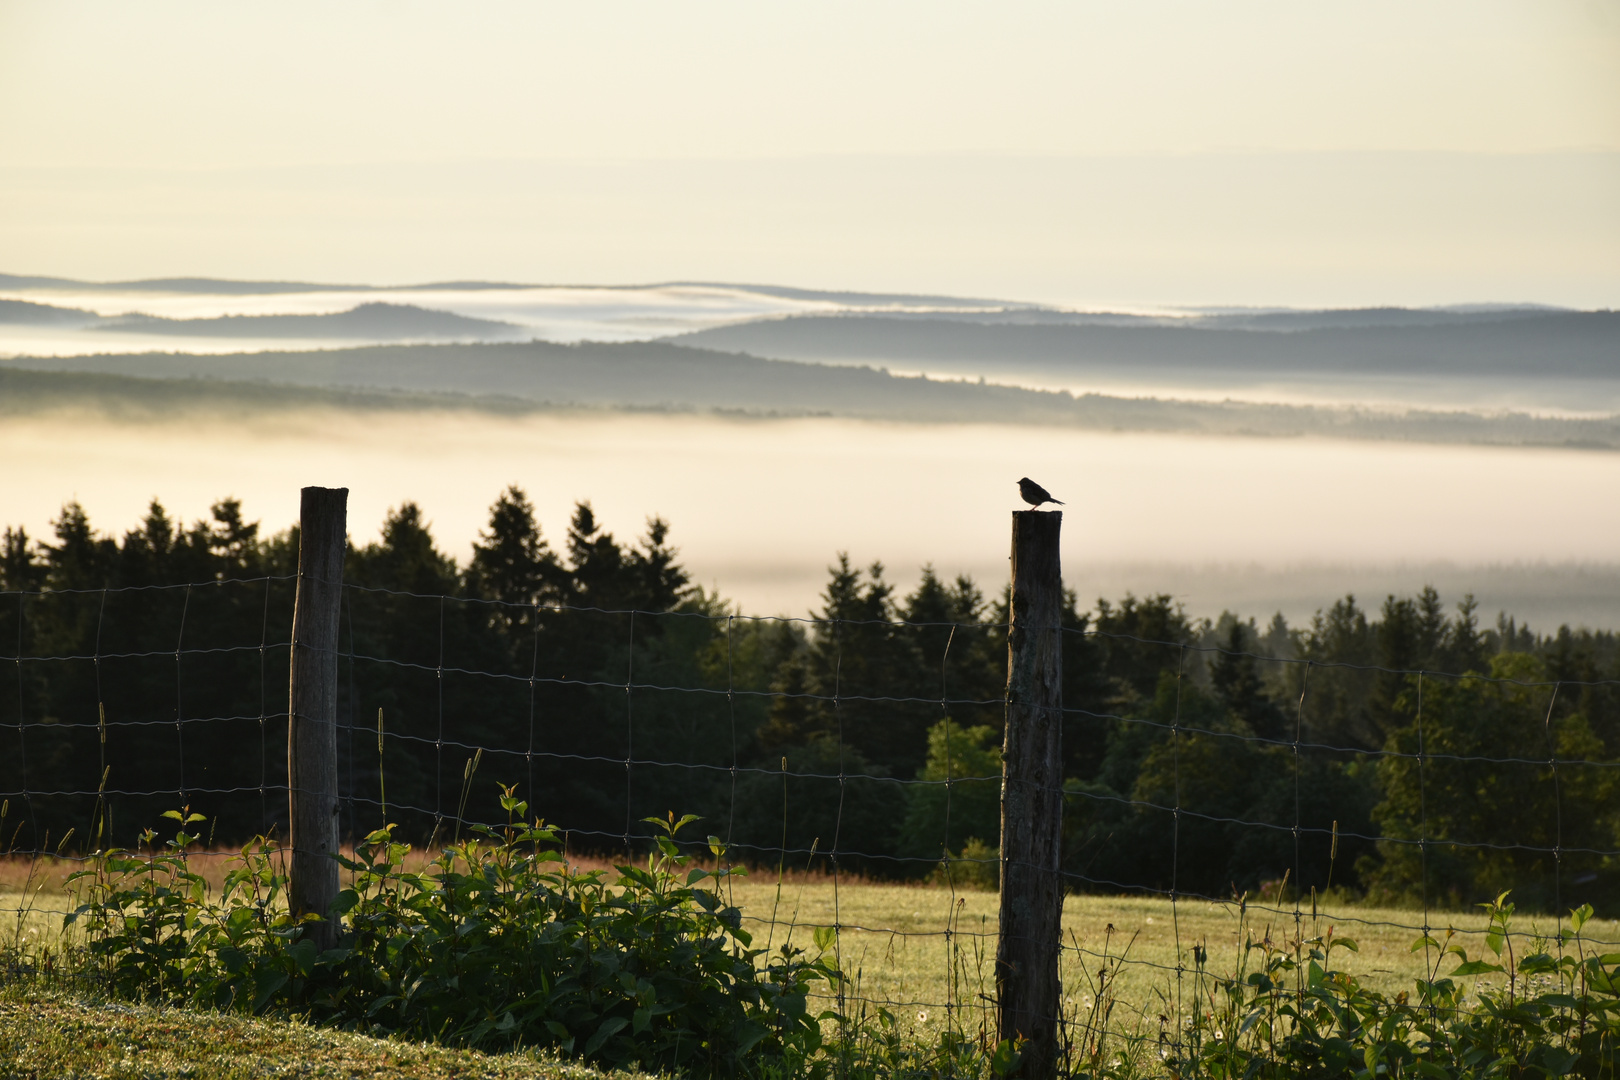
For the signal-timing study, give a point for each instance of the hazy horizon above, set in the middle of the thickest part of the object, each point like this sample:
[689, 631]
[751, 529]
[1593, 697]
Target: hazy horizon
[1166, 152]
[40, 320]
[1143, 158]
[761, 507]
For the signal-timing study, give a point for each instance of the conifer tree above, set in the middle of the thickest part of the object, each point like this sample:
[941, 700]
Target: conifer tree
[1235, 676]
[512, 563]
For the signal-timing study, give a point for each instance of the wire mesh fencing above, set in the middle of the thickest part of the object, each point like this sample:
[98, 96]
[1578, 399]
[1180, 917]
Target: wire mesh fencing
[1214, 797]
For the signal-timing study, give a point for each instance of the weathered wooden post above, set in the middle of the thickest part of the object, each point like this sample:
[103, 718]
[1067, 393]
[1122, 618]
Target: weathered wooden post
[312, 797]
[1031, 797]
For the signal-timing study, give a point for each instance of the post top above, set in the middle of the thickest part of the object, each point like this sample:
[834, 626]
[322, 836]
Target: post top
[1037, 519]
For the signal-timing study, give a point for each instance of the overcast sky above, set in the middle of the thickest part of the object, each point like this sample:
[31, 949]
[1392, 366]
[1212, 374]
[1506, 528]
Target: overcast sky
[1090, 153]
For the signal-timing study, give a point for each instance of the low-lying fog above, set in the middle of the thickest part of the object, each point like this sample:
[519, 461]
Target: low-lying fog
[760, 507]
[556, 313]
[1566, 397]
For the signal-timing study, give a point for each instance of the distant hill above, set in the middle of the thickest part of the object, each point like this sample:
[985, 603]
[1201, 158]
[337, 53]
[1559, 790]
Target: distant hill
[226, 287]
[636, 375]
[24, 393]
[370, 322]
[24, 313]
[1279, 320]
[366, 322]
[661, 376]
[1363, 318]
[207, 286]
[1380, 341]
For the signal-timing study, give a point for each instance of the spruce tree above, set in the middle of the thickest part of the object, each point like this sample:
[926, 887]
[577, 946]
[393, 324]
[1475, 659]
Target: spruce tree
[1235, 676]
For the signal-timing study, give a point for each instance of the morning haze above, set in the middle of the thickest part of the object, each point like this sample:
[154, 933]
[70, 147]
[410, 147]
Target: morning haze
[1271, 345]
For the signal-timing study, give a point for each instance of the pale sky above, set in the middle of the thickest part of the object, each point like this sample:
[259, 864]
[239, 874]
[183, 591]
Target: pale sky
[1149, 152]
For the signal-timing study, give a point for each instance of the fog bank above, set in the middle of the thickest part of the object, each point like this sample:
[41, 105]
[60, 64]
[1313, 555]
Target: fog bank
[760, 507]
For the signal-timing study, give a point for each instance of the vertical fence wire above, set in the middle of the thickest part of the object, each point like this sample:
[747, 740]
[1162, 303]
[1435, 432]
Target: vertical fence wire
[99, 812]
[1175, 850]
[1298, 869]
[179, 699]
[438, 743]
[1558, 818]
[838, 821]
[731, 724]
[1423, 839]
[629, 733]
[528, 751]
[22, 726]
[946, 857]
[264, 745]
[349, 713]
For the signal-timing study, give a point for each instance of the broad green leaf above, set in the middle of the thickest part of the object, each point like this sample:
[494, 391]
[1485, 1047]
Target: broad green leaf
[609, 1028]
[266, 981]
[234, 959]
[748, 1034]
[1005, 1059]
[303, 953]
[1539, 964]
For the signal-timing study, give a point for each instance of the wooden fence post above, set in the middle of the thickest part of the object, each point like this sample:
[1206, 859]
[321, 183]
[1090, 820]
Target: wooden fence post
[1031, 797]
[312, 797]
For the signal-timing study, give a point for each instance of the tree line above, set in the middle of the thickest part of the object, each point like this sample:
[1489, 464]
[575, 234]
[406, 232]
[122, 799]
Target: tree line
[1406, 753]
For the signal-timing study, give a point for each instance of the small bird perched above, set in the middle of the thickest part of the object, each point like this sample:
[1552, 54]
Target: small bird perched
[1034, 494]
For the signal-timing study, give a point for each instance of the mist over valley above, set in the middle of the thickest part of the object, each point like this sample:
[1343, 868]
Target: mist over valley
[1258, 459]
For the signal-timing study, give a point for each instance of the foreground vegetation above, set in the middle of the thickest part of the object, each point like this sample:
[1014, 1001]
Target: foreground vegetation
[499, 944]
[59, 1029]
[893, 944]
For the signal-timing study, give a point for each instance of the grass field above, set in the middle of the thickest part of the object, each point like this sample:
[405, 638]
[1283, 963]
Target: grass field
[927, 953]
[46, 1032]
[894, 943]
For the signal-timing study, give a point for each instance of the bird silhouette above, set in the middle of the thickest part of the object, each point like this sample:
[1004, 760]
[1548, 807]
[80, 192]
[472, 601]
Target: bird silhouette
[1034, 494]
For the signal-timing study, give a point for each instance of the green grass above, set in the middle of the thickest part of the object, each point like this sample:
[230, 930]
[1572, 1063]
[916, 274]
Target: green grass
[894, 946]
[894, 943]
[48, 1032]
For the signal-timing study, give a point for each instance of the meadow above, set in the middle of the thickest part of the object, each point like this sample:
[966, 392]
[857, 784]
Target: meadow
[925, 951]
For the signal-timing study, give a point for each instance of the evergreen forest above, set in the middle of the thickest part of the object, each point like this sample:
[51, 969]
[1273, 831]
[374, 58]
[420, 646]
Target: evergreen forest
[1403, 751]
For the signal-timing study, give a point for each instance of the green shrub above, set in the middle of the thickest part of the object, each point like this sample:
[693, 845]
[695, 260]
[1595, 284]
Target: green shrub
[494, 943]
[961, 802]
[1295, 1015]
[977, 867]
[498, 943]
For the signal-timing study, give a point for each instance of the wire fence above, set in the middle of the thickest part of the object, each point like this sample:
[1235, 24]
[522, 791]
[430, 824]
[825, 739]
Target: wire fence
[1233, 795]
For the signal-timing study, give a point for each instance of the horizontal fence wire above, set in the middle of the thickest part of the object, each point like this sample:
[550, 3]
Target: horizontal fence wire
[131, 701]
